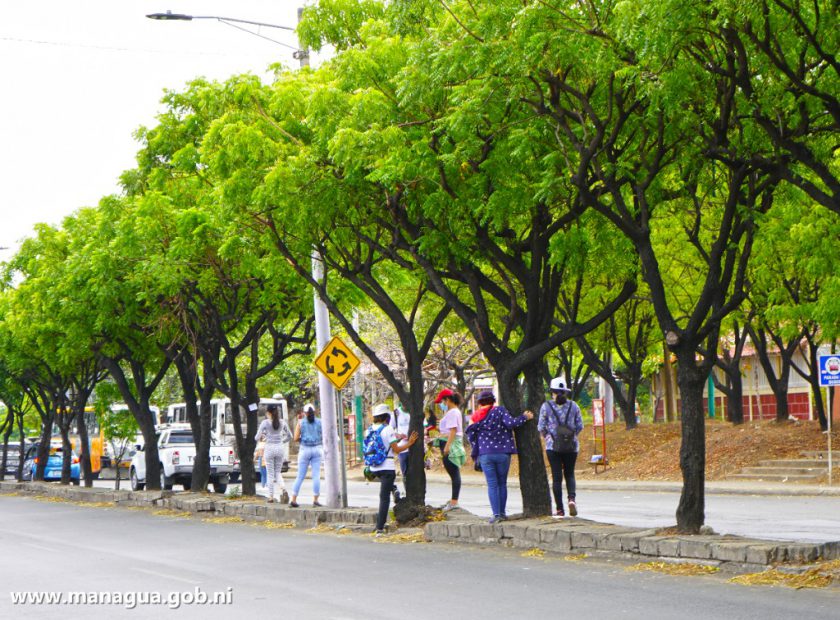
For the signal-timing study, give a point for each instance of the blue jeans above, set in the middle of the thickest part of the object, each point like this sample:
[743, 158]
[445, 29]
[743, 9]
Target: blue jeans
[495, 468]
[309, 456]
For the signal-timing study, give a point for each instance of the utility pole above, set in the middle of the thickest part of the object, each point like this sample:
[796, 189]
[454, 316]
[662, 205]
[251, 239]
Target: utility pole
[332, 497]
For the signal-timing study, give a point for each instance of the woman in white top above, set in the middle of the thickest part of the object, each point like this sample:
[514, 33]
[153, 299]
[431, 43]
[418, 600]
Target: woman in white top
[277, 437]
[450, 441]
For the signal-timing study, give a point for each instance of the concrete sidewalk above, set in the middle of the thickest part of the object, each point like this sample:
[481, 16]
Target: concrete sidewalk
[721, 487]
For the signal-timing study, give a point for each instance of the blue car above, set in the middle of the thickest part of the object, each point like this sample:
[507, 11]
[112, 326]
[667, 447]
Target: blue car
[54, 462]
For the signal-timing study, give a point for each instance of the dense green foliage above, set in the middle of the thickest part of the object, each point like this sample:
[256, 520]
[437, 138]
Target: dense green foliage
[563, 182]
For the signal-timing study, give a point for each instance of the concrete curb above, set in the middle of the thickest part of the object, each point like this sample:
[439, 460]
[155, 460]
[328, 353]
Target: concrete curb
[197, 503]
[567, 536]
[575, 536]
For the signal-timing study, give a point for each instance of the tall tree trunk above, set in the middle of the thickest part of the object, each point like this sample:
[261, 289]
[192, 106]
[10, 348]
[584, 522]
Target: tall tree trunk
[67, 452]
[813, 378]
[630, 409]
[736, 400]
[44, 443]
[533, 479]
[668, 384]
[201, 418]
[9, 425]
[692, 380]
[733, 389]
[778, 383]
[19, 476]
[84, 446]
[245, 443]
[415, 481]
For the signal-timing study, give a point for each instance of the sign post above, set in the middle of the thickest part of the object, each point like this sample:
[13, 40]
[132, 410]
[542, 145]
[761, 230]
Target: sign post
[337, 363]
[598, 421]
[829, 376]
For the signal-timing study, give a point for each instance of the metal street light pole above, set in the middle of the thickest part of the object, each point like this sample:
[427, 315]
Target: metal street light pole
[233, 22]
[333, 455]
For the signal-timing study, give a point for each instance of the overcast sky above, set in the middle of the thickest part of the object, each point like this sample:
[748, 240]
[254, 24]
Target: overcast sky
[79, 76]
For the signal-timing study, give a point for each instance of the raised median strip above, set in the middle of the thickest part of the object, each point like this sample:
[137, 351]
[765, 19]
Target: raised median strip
[574, 536]
[562, 536]
[200, 504]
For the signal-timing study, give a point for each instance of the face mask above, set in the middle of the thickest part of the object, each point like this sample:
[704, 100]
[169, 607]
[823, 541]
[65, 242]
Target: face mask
[442, 407]
[310, 416]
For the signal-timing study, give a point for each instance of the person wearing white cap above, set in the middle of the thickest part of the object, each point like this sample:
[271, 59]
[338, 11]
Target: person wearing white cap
[308, 432]
[560, 423]
[385, 470]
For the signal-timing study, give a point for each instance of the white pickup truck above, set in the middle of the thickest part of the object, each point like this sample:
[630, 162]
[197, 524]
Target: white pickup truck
[176, 449]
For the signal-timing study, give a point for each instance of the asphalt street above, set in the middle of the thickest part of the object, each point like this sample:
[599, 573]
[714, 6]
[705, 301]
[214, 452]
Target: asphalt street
[64, 548]
[778, 517]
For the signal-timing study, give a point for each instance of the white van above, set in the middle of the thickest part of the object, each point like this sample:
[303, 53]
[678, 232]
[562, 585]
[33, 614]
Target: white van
[221, 423]
[221, 417]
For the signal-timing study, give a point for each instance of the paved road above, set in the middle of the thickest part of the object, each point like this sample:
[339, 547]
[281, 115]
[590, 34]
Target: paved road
[293, 574]
[803, 518]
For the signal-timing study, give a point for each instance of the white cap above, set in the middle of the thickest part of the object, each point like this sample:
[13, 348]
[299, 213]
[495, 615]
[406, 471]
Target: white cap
[559, 385]
[308, 407]
[381, 409]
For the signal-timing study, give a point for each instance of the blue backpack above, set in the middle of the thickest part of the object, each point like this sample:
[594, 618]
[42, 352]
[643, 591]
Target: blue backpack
[374, 447]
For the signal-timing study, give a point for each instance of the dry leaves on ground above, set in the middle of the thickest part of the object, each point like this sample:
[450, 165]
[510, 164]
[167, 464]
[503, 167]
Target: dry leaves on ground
[675, 568]
[819, 576]
[533, 553]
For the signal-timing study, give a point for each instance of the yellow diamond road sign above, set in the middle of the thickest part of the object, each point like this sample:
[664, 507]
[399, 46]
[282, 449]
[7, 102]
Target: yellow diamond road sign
[337, 362]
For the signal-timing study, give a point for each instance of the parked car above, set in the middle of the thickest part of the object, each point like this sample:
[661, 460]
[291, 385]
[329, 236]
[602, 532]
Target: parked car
[54, 463]
[176, 449]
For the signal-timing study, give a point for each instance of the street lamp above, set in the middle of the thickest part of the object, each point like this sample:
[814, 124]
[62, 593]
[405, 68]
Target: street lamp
[232, 22]
[329, 414]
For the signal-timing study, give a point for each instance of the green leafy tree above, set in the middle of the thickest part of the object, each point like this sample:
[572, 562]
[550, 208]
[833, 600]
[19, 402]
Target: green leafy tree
[120, 428]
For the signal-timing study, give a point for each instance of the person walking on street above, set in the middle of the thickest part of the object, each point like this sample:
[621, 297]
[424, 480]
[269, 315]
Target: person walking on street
[276, 434]
[560, 423]
[308, 432]
[491, 436]
[450, 441]
[381, 458]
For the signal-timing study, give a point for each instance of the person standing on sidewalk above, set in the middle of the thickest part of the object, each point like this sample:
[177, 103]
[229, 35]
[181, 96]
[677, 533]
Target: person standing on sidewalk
[276, 434]
[491, 436]
[386, 470]
[560, 423]
[399, 422]
[308, 432]
[450, 441]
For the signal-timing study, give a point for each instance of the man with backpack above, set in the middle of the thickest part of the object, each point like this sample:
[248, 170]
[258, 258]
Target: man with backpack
[560, 424]
[380, 446]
